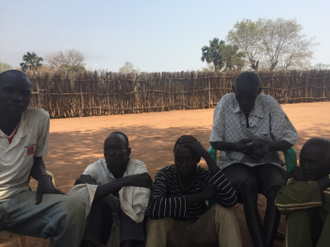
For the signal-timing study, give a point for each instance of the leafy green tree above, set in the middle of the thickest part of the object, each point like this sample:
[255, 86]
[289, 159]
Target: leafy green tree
[128, 68]
[214, 53]
[31, 61]
[234, 58]
[209, 68]
[277, 44]
[246, 35]
[4, 67]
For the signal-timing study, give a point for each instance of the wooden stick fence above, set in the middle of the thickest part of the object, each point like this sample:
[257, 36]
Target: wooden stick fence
[94, 94]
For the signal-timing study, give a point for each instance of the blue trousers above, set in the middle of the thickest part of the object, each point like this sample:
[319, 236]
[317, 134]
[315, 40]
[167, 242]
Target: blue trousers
[58, 217]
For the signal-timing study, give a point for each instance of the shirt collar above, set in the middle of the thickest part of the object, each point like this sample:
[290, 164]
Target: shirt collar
[110, 173]
[23, 128]
[257, 109]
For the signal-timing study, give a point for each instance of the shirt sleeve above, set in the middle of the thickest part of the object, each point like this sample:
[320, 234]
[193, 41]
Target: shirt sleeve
[281, 127]
[43, 135]
[226, 194]
[140, 195]
[298, 195]
[90, 170]
[161, 206]
[218, 128]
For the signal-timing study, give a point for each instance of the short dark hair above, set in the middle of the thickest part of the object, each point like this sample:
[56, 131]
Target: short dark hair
[14, 72]
[177, 144]
[324, 143]
[122, 134]
[248, 79]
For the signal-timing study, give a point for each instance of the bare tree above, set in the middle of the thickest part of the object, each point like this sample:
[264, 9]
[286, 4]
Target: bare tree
[69, 60]
[128, 68]
[283, 44]
[321, 66]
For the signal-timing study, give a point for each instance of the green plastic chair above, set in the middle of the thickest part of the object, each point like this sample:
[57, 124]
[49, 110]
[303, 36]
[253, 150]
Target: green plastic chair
[290, 162]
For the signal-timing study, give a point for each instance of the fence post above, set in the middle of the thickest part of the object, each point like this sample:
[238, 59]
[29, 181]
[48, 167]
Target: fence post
[210, 99]
[81, 111]
[324, 89]
[306, 89]
[286, 92]
[38, 97]
[108, 82]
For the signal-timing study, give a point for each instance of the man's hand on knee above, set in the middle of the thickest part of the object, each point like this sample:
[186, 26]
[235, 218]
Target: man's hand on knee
[45, 185]
[85, 179]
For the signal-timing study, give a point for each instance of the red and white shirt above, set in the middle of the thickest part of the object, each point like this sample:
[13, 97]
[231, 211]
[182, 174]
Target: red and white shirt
[17, 157]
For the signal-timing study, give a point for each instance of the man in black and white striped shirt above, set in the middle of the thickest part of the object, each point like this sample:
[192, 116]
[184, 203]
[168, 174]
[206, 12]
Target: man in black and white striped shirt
[177, 210]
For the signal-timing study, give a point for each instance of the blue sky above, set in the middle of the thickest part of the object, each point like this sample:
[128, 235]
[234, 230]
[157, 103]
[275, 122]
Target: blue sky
[154, 35]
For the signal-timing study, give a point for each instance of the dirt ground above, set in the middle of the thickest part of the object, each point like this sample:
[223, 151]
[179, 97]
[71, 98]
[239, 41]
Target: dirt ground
[76, 142]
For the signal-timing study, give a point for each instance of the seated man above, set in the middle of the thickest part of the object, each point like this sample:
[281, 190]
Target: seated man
[177, 210]
[249, 128]
[125, 178]
[23, 141]
[306, 197]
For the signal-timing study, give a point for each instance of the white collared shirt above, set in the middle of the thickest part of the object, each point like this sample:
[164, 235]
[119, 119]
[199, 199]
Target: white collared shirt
[133, 200]
[267, 122]
[16, 158]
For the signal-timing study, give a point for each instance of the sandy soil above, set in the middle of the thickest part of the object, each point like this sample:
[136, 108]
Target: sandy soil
[76, 142]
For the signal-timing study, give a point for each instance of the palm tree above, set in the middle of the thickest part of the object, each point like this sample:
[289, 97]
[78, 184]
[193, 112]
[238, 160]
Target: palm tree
[214, 53]
[31, 61]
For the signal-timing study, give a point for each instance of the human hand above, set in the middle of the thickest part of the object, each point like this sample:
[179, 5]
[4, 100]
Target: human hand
[296, 173]
[85, 179]
[194, 144]
[209, 192]
[45, 185]
[260, 150]
[245, 146]
[139, 180]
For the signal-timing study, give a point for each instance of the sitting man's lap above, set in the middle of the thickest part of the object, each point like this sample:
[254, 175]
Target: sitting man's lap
[54, 216]
[265, 176]
[218, 226]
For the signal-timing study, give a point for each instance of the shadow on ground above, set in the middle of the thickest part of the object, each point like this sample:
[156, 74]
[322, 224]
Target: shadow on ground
[70, 153]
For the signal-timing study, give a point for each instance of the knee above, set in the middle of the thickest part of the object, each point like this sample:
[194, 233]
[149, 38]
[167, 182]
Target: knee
[221, 212]
[160, 223]
[272, 192]
[73, 208]
[248, 187]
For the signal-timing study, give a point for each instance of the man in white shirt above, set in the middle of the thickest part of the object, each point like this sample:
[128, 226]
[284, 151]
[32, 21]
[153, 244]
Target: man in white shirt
[24, 133]
[249, 128]
[117, 178]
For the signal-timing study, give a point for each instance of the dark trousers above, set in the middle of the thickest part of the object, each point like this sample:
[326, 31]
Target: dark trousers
[100, 220]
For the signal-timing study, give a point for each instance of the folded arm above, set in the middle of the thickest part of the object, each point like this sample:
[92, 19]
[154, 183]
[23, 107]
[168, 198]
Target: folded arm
[138, 180]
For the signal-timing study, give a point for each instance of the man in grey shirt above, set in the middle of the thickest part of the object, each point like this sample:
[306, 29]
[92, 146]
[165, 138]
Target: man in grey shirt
[249, 128]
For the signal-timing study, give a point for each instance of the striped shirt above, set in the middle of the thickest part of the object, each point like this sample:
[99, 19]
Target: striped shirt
[167, 194]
